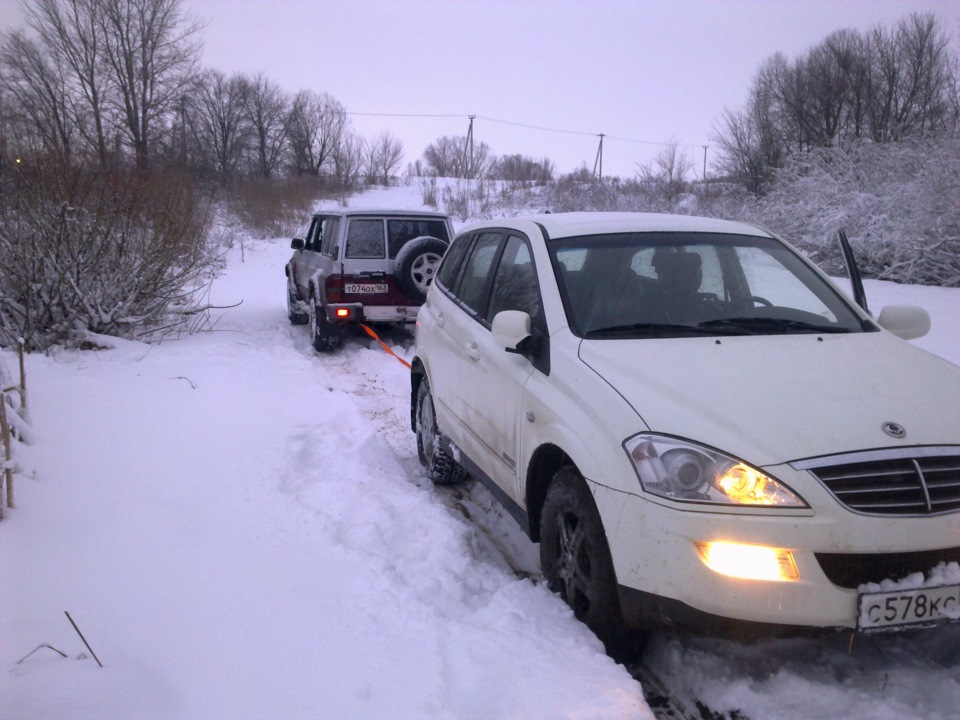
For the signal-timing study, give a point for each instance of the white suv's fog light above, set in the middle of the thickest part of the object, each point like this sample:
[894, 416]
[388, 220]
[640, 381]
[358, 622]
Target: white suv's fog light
[748, 562]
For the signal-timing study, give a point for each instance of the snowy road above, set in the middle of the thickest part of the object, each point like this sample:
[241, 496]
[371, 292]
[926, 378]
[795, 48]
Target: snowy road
[242, 529]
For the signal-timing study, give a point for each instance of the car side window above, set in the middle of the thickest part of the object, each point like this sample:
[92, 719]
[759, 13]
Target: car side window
[328, 235]
[476, 270]
[310, 241]
[452, 260]
[365, 239]
[515, 282]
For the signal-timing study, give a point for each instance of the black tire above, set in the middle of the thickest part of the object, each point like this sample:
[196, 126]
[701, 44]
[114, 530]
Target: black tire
[294, 313]
[441, 468]
[322, 335]
[416, 265]
[575, 557]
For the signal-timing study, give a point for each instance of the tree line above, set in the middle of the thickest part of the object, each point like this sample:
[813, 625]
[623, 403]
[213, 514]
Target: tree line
[882, 86]
[111, 81]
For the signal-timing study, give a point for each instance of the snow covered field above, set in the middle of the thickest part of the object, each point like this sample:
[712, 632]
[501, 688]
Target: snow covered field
[241, 529]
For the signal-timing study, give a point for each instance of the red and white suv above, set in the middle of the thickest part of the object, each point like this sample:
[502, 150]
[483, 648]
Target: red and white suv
[356, 266]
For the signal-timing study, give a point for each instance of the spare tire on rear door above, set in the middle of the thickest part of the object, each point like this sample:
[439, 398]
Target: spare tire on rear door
[416, 265]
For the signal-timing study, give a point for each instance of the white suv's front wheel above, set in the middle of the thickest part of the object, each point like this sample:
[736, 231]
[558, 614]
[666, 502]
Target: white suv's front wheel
[575, 557]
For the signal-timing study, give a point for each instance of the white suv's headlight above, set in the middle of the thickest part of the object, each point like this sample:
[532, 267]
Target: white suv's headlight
[680, 470]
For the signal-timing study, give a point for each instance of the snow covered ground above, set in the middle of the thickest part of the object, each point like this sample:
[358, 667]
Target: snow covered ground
[241, 529]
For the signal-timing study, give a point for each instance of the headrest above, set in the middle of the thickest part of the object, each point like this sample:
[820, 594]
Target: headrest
[679, 269]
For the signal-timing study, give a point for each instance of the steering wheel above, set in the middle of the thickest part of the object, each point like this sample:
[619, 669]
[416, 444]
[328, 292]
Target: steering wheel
[762, 300]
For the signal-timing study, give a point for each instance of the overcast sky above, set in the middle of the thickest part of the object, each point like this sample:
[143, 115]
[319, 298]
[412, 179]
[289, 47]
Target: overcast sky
[642, 73]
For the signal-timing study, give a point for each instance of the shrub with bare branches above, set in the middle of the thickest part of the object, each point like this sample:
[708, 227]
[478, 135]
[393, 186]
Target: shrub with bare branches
[119, 253]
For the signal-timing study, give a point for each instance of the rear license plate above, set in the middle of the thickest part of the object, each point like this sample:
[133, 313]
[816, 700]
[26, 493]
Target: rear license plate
[908, 608]
[365, 289]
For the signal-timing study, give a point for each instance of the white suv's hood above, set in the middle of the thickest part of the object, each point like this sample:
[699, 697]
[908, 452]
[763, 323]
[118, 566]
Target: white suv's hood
[772, 399]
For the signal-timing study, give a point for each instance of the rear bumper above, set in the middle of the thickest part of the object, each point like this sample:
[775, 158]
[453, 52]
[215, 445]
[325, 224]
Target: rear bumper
[350, 313]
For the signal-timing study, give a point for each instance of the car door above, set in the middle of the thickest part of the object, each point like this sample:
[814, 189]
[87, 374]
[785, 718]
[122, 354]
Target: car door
[305, 263]
[317, 255]
[448, 316]
[484, 386]
[493, 380]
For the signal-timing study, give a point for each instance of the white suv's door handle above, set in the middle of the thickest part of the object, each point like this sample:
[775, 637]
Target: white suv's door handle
[440, 319]
[473, 351]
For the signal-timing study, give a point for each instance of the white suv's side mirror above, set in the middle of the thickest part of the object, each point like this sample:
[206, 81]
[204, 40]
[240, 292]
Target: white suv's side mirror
[510, 328]
[905, 321]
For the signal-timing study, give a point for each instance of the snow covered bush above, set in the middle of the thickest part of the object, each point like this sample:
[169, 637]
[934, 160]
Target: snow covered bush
[116, 252]
[898, 203]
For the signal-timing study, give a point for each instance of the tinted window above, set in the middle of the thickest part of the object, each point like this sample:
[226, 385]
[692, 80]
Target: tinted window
[365, 239]
[310, 242]
[476, 270]
[515, 284]
[452, 260]
[688, 284]
[401, 230]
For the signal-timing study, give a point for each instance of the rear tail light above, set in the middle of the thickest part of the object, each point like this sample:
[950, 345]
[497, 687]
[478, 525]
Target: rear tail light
[334, 289]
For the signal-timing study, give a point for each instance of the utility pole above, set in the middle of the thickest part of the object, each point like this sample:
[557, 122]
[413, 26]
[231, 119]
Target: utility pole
[704, 163]
[598, 161]
[468, 148]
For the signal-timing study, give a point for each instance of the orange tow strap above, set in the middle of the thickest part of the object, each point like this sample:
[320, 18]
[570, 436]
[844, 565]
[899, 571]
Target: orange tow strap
[386, 347]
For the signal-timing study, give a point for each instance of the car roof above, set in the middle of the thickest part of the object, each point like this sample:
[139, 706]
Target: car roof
[391, 212]
[560, 225]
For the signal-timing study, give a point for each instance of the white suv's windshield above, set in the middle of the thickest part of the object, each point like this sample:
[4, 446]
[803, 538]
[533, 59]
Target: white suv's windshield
[686, 284]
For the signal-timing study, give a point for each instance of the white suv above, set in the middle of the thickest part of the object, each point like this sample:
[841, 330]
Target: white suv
[698, 427]
[355, 266]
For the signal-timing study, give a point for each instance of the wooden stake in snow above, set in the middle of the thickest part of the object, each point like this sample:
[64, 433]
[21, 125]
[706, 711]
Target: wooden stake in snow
[83, 638]
[7, 453]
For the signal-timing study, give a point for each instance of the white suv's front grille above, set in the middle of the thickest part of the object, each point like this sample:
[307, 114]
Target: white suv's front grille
[915, 481]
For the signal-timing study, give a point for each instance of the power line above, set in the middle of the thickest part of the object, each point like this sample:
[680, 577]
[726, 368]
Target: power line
[597, 162]
[410, 115]
[523, 125]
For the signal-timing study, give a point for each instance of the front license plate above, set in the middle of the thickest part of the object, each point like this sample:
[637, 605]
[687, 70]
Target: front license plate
[365, 289]
[908, 608]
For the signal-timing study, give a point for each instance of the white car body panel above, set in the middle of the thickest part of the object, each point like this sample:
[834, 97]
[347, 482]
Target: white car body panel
[767, 400]
[751, 396]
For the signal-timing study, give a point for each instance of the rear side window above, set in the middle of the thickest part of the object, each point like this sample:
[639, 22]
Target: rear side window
[328, 235]
[365, 239]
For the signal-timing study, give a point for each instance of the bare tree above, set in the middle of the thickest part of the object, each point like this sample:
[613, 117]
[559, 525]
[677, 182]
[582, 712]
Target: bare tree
[455, 157]
[221, 120]
[913, 79]
[151, 48]
[443, 156]
[668, 174]
[70, 31]
[39, 96]
[887, 85]
[315, 126]
[266, 109]
[348, 161]
[383, 157]
[519, 168]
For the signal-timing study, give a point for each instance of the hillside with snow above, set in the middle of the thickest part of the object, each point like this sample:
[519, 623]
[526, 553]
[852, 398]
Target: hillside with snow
[241, 529]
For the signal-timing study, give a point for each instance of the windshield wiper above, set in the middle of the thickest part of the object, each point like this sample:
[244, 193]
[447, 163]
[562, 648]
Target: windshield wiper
[649, 329]
[759, 325]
